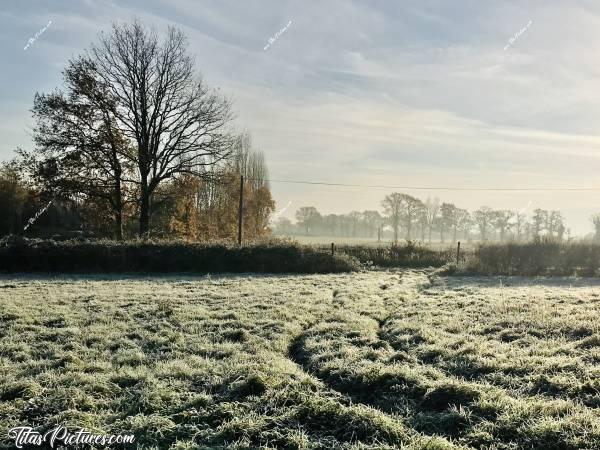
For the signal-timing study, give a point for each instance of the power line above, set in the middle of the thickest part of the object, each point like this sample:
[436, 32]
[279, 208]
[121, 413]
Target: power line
[430, 188]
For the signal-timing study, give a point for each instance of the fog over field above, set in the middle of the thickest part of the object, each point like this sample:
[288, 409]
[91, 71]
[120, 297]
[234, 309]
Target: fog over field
[468, 94]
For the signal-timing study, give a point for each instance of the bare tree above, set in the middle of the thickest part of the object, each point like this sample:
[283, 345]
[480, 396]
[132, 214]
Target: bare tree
[555, 223]
[249, 162]
[432, 208]
[528, 230]
[446, 218]
[466, 224]
[177, 124]
[560, 231]
[459, 219]
[483, 218]
[539, 220]
[373, 220]
[354, 217]
[402, 207]
[308, 217]
[393, 206]
[596, 221]
[412, 209]
[422, 221]
[519, 224]
[283, 225]
[329, 223]
[502, 221]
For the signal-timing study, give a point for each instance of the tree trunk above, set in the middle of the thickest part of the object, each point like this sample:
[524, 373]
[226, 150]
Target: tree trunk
[144, 209]
[119, 225]
[144, 217]
[118, 207]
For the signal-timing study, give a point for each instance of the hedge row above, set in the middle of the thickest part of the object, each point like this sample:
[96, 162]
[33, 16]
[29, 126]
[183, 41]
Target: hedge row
[32, 255]
[411, 254]
[542, 257]
[536, 258]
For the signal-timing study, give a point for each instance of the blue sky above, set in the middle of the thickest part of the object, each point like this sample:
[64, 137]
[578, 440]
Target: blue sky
[415, 93]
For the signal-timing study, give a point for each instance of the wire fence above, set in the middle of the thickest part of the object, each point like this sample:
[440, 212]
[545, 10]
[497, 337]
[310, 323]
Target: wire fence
[410, 254]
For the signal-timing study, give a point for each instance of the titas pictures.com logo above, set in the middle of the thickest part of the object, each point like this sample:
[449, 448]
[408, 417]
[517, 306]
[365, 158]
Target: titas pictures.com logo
[60, 436]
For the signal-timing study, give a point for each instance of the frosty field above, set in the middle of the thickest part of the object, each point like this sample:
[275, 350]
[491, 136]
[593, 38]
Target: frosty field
[398, 359]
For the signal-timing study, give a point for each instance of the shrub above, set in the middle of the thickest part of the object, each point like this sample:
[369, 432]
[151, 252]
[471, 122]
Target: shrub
[411, 254]
[541, 257]
[35, 255]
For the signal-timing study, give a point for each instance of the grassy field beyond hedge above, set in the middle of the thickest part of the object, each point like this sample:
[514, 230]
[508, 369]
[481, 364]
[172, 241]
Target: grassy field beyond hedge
[369, 360]
[31, 255]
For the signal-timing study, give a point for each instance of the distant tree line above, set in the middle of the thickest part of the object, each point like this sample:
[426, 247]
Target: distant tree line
[407, 217]
[135, 143]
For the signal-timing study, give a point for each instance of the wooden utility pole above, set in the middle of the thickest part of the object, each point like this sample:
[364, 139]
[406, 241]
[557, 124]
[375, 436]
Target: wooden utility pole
[457, 253]
[240, 211]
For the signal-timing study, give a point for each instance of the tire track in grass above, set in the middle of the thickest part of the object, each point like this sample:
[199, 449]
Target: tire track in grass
[341, 302]
[380, 424]
[348, 422]
[409, 392]
[463, 408]
[401, 394]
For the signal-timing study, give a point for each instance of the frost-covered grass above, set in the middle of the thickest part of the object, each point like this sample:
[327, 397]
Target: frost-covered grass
[399, 359]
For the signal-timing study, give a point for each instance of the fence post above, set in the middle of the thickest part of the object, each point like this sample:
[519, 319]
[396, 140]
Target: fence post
[457, 253]
[332, 248]
[241, 207]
